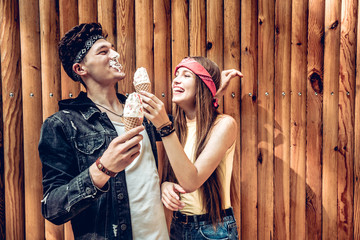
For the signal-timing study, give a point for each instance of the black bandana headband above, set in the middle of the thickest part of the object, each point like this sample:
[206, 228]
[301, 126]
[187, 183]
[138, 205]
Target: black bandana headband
[82, 53]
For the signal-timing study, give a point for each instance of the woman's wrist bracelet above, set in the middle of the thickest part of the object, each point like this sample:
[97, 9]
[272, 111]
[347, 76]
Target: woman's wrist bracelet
[101, 167]
[166, 130]
[163, 125]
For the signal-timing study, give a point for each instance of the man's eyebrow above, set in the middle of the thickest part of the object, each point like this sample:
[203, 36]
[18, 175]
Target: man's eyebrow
[101, 46]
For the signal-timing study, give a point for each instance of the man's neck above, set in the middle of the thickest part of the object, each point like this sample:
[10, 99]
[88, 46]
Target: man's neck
[104, 96]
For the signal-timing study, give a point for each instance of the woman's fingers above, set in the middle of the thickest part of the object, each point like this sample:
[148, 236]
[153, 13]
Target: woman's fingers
[171, 204]
[170, 198]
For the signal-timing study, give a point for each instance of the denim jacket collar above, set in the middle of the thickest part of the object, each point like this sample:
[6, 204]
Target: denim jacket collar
[84, 104]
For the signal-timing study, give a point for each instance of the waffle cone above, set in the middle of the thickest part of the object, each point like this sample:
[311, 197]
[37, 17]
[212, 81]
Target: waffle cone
[131, 122]
[143, 87]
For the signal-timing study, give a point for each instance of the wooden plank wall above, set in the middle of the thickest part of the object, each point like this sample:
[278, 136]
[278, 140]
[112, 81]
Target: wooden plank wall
[297, 166]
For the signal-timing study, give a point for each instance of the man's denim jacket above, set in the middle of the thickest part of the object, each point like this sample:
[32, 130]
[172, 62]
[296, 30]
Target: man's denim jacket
[71, 140]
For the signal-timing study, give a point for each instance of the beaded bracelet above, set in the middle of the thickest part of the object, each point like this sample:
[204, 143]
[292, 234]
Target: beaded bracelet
[101, 167]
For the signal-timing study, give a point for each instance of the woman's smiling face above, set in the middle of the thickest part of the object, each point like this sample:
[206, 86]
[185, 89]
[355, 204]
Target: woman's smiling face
[183, 87]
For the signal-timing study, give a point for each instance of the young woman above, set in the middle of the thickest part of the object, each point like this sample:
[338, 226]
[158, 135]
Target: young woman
[200, 145]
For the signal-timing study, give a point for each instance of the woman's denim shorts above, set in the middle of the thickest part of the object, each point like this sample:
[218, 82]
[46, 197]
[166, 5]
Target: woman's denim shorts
[193, 227]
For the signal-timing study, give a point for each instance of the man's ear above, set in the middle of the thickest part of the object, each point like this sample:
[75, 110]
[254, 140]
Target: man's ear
[78, 69]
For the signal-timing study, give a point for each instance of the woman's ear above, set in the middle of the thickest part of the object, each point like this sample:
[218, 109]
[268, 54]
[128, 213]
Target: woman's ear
[78, 69]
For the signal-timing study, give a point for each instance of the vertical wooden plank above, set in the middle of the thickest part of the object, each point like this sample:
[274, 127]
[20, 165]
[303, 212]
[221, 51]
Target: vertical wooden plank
[345, 152]
[232, 96]
[249, 110]
[31, 82]
[87, 14]
[87, 11]
[107, 18]
[179, 31]
[50, 74]
[50, 63]
[2, 183]
[214, 35]
[12, 120]
[162, 69]
[68, 12]
[265, 123]
[330, 118]
[144, 36]
[197, 27]
[298, 118]
[125, 22]
[282, 120]
[162, 56]
[68, 232]
[314, 129]
[357, 137]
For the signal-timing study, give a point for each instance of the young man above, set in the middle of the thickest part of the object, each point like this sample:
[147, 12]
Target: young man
[102, 179]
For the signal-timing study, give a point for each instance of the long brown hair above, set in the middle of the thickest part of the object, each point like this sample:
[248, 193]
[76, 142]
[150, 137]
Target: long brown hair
[206, 115]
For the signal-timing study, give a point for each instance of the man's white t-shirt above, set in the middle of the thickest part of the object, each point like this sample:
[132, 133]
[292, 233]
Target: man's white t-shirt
[143, 186]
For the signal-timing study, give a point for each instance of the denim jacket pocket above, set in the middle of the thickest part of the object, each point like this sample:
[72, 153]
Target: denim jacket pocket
[87, 147]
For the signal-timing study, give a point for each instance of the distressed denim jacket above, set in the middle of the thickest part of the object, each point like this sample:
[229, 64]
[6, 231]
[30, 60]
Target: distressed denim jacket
[71, 140]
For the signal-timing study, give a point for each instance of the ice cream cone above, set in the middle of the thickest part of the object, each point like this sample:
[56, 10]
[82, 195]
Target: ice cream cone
[141, 80]
[133, 111]
[143, 87]
[131, 122]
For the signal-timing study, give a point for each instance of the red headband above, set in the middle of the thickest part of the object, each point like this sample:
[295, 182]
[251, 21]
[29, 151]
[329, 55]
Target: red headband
[202, 73]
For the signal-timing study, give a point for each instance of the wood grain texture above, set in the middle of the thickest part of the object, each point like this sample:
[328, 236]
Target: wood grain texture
[32, 115]
[298, 119]
[87, 14]
[197, 27]
[345, 152]
[179, 31]
[107, 18]
[50, 63]
[315, 75]
[357, 138]
[144, 37]
[68, 12]
[233, 94]
[265, 123]
[296, 168]
[214, 36]
[50, 75]
[330, 119]
[125, 20]
[249, 94]
[282, 120]
[2, 183]
[12, 120]
[162, 53]
[68, 232]
[87, 11]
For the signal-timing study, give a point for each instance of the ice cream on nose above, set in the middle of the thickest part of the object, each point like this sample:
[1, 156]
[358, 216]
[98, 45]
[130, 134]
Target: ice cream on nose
[141, 80]
[133, 111]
